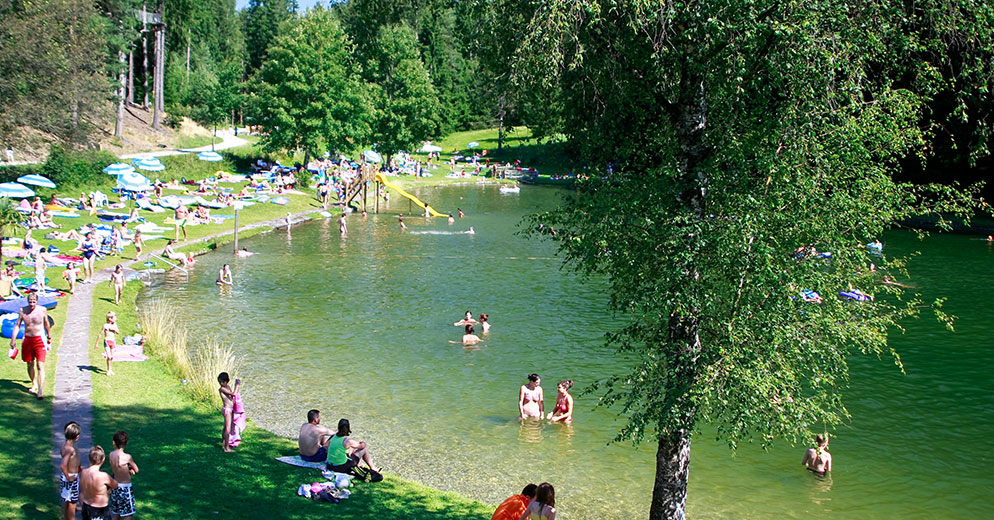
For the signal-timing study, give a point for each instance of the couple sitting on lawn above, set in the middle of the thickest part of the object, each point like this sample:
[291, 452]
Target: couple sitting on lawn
[341, 452]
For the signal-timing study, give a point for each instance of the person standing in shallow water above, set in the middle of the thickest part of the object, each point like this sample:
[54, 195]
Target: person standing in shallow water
[530, 399]
[818, 460]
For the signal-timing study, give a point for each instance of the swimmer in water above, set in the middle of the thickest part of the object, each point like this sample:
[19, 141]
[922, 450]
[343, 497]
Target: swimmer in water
[400, 218]
[818, 460]
[243, 252]
[466, 321]
[224, 276]
[471, 231]
[470, 337]
[452, 219]
[461, 214]
[563, 412]
[484, 323]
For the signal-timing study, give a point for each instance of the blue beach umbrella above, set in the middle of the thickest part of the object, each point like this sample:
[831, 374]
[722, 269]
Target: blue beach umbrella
[152, 165]
[15, 190]
[372, 156]
[36, 180]
[133, 181]
[119, 168]
[210, 156]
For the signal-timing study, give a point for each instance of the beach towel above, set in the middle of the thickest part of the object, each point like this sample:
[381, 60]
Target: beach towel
[129, 353]
[237, 421]
[300, 463]
[148, 206]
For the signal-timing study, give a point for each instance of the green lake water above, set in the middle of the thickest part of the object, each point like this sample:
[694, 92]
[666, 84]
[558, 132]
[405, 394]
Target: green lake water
[361, 327]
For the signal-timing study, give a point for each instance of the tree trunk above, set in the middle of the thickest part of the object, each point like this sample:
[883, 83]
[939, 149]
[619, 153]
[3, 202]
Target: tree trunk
[121, 97]
[500, 122]
[129, 94]
[145, 69]
[669, 492]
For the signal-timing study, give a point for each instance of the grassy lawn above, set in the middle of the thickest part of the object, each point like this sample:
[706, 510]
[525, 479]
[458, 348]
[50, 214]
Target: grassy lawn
[184, 473]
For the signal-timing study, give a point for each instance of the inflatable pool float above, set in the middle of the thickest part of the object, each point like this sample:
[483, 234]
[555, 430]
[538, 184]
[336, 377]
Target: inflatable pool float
[24, 282]
[510, 189]
[856, 295]
[7, 326]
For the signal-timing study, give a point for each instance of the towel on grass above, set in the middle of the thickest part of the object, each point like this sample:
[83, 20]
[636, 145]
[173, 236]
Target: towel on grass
[129, 353]
[301, 463]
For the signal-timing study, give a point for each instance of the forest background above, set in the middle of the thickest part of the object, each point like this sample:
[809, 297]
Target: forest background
[416, 70]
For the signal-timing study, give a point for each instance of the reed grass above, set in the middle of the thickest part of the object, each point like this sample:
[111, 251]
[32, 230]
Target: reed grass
[196, 364]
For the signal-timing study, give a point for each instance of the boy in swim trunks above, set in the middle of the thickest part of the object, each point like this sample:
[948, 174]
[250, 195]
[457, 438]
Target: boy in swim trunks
[122, 501]
[180, 221]
[34, 347]
[69, 476]
[108, 332]
[96, 487]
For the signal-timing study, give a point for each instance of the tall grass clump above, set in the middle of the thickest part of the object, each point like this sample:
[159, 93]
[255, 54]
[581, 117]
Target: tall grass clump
[169, 342]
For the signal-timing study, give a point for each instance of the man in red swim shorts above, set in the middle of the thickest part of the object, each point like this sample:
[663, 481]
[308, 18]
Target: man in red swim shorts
[33, 348]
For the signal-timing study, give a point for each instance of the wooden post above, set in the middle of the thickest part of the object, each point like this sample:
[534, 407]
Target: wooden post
[236, 230]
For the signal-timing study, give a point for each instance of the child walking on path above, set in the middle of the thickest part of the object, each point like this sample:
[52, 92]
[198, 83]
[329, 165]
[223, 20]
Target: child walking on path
[122, 500]
[71, 274]
[108, 332]
[117, 280]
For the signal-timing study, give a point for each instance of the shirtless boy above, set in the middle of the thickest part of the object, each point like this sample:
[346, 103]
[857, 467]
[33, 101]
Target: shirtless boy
[108, 331]
[96, 487]
[313, 438]
[122, 500]
[34, 348]
[69, 476]
[818, 460]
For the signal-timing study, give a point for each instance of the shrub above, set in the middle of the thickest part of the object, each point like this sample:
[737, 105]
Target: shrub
[78, 169]
[198, 364]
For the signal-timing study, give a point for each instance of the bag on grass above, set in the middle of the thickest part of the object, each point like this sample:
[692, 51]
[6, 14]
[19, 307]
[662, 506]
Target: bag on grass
[366, 475]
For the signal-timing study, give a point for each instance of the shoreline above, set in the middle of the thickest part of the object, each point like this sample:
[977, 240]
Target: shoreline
[283, 435]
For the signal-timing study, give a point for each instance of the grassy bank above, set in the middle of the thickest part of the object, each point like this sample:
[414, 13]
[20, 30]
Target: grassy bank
[175, 435]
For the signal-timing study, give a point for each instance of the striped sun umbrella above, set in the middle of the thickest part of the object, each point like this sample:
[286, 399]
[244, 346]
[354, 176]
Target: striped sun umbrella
[36, 180]
[210, 156]
[15, 190]
[152, 165]
[133, 181]
[119, 168]
[372, 156]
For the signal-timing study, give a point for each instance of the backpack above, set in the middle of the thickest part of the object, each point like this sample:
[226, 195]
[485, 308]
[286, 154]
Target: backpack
[366, 475]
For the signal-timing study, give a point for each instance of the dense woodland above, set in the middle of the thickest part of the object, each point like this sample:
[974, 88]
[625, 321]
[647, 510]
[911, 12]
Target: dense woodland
[415, 70]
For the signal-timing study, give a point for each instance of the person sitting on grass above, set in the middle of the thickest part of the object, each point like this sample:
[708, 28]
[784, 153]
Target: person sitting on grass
[313, 438]
[345, 453]
[173, 255]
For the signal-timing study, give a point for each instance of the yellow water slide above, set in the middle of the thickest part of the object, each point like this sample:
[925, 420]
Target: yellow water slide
[381, 178]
